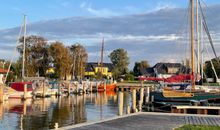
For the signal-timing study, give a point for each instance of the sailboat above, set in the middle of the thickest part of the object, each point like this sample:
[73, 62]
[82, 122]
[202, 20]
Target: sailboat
[20, 90]
[172, 95]
[104, 85]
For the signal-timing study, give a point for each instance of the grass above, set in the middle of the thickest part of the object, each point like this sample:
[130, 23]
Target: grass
[198, 127]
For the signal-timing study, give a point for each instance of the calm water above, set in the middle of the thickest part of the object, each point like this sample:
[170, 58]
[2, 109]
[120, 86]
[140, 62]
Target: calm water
[44, 113]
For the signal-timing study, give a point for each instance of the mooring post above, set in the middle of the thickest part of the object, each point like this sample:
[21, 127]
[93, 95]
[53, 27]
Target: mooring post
[97, 86]
[43, 95]
[120, 103]
[25, 92]
[147, 94]
[84, 87]
[77, 87]
[90, 86]
[128, 109]
[24, 108]
[141, 98]
[104, 85]
[69, 89]
[133, 100]
[1, 93]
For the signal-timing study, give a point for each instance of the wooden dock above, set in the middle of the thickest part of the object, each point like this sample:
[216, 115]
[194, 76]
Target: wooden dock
[147, 120]
[199, 109]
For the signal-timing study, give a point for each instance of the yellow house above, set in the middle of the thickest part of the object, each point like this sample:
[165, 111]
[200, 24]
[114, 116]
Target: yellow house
[92, 68]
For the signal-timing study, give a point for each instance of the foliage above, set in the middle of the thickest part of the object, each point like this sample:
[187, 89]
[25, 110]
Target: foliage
[139, 66]
[198, 127]
[209, 71]
[79, 58]
[36, 55]
[61, 59]
[120, 60]
[129, 77]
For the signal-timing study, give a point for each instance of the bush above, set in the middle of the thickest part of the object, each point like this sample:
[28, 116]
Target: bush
[129, 77]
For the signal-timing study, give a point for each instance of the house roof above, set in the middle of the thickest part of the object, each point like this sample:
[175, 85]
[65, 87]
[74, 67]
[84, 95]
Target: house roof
[92, 65]
[3, 71]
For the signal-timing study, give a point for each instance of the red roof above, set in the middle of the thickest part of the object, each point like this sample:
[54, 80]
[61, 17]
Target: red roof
[3, 71]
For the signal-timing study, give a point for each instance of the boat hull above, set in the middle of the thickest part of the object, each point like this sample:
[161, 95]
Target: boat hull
[109, 87]
[159, 97]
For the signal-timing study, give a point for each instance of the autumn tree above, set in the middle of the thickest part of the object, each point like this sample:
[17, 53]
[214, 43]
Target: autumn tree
[36, 55]
[139, 66]
[61, 59]
[79, 58]
[120, 60]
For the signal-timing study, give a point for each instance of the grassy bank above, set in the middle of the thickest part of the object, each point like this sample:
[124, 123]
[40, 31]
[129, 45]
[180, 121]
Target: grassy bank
[198, 127]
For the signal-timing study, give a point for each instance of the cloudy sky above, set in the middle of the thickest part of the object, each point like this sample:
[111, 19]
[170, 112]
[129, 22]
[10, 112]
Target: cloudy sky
[153, 30]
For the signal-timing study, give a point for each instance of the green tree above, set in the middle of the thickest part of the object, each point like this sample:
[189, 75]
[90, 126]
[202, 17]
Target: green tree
[61, 59]
[209, 71]
[79, 58]
[120, 60]
[36, 55]
[140, 65]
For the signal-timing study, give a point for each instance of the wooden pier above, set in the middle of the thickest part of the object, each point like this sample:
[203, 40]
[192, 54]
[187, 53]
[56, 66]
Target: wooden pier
[198, 109]
[147, 121]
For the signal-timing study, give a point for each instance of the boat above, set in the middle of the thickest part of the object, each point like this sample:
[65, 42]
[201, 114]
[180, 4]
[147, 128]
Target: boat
[105, 85]
[16, 90]
[193, 92]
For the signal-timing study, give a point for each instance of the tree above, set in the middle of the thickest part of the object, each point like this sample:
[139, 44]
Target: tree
[140, 65]
[36, 55]
[120, 60]
[79, 58]
[61, 59]
[209, 71]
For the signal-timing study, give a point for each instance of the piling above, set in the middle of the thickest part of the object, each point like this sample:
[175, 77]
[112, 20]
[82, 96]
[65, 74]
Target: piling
[141, 98]
[24, 108]
[77, 87]
[134, 100]
[104, 85]
[97, 86]
[59, 90]
[1, 93]
[25, 92]
[128, 110]
[43, 95]
[90, 86]
[120, 103]
[69, 89]
[84, 87]
[147, 95]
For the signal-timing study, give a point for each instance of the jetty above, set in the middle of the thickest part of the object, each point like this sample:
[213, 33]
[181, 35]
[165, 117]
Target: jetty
[147, 120]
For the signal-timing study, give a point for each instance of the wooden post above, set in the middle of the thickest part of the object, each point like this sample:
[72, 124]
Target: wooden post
[25, 92]
[1, 93]
[97, 86]
[59, 92]
[68, 89]
[84, 87]
[134, 100]
[90, 86]
[147, 95]
[104, 85]
[77, 87]
[120, 103]
[24, 108]
[141, 98]
[128, 110]
[43, 95]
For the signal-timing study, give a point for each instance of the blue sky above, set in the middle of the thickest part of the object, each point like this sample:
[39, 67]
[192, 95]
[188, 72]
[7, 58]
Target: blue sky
[39, 10]
[148, 29]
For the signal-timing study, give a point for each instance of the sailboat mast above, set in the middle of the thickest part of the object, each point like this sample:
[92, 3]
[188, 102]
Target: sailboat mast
[102, 50]
[197, 40]
[24, 42]
[192, 44]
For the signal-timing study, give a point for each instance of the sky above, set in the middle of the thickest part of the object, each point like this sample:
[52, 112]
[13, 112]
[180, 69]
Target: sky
[147, 29]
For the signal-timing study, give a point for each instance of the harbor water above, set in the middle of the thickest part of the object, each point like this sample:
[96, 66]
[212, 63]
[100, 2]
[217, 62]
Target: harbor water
[46, 113]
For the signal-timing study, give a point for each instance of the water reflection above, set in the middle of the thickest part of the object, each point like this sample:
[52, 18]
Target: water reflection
[44, 113]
